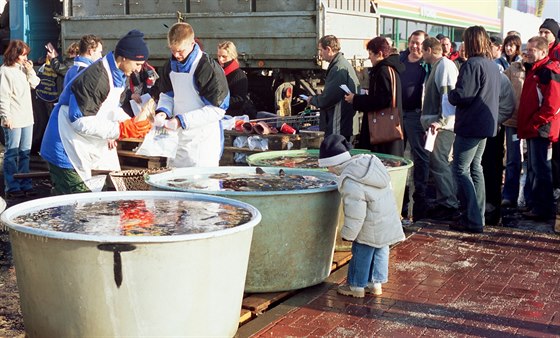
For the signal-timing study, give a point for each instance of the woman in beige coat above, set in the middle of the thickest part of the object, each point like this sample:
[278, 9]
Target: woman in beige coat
[17, 77]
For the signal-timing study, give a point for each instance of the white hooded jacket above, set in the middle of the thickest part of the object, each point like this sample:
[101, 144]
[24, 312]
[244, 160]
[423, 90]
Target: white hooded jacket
[370, 209]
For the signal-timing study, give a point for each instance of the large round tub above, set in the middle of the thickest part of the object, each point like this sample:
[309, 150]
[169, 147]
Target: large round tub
[293, 246]
[308, 159]
[80, 285]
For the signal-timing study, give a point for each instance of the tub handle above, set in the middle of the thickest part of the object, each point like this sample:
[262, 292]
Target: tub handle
[116, 249]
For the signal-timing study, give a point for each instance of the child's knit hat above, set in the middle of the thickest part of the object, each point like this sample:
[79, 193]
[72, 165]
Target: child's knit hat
[334, 151]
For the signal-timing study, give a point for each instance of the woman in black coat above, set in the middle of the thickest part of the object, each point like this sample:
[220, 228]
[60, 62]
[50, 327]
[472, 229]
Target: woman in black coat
[380, 94]
[239, 102]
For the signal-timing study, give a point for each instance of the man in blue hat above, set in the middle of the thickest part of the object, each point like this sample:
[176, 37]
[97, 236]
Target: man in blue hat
[84, 125]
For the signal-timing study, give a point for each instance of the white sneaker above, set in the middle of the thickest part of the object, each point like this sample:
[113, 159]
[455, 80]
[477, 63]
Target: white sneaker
[374, 288]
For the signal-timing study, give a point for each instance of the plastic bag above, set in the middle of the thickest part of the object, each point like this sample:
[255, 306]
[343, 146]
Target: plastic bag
[47, 89]
[229, 122]
[160, 142]
[240, 142]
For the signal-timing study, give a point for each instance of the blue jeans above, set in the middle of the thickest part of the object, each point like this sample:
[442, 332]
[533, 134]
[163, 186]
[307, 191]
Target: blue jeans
[414, 133]
[513, 166]
[539, 177]
[368, 264]
[467, 168]
[16, 158]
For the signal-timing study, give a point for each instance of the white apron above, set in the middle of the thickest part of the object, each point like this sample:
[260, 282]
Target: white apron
[88, 152]
[201, 146]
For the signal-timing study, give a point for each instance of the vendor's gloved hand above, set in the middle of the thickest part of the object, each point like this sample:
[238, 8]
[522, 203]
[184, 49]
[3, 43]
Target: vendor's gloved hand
[130, 129]
[172, 124]
[159, 120]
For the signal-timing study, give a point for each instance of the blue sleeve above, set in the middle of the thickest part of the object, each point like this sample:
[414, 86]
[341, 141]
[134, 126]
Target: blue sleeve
[74, 111]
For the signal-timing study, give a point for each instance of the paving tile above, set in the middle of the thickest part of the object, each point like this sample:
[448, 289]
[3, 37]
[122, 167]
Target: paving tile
[327, 322]
[287, 331]
[446, 284]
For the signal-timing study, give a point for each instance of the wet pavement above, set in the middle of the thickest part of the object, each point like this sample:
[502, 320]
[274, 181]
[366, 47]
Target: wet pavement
[504, 282]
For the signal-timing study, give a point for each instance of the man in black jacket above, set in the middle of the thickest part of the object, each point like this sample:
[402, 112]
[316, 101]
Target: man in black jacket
[336, 114]
[412, 80]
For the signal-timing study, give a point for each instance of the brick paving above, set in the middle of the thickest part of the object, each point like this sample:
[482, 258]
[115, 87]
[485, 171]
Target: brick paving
[505, 282]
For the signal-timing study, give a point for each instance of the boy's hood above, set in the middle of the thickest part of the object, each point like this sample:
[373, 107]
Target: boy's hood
[366, 169]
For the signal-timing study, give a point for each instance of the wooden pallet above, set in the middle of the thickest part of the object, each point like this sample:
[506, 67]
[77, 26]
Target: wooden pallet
[257, 303]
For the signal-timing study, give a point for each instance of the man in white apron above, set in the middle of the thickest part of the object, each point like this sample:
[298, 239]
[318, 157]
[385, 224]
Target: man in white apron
[88, 118]
[194, 97]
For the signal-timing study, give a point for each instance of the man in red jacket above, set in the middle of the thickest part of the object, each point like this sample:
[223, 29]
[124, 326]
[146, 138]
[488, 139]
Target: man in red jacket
[549, 30]
[539, 123]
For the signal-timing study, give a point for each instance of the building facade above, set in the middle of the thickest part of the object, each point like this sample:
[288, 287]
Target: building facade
[399, 18]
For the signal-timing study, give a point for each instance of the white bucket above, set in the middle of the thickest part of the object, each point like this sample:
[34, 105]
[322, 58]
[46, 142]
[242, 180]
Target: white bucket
[184, 285]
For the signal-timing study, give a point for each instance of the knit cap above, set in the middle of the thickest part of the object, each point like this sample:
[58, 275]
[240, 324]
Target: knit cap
[132, 46]
[334, 150]
[551, 25]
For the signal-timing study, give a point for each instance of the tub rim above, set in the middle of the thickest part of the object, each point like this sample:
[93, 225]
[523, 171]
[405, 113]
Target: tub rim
[153, 179]
[41, 203]
[254, 159]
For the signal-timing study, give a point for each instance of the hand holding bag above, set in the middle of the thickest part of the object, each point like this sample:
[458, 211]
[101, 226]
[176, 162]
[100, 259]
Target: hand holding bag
[385, 124]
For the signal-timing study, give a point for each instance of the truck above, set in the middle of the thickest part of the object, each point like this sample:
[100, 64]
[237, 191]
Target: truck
[276, 40]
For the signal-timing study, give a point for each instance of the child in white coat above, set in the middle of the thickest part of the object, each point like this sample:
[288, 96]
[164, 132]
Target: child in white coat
[371, 219]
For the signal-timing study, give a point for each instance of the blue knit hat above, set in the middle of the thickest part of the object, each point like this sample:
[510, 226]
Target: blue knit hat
[132, 46]
[334, 150]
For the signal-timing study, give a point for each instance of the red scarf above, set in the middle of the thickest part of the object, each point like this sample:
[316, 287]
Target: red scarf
[233, 65]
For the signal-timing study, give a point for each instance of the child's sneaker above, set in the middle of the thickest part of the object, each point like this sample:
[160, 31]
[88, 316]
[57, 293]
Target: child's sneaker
[374, 288]
[354, 291]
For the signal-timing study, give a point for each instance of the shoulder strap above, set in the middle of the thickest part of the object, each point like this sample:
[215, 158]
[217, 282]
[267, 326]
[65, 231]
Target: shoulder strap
[393, 87]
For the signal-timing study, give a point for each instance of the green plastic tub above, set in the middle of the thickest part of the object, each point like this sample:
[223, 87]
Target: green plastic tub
[398, 174]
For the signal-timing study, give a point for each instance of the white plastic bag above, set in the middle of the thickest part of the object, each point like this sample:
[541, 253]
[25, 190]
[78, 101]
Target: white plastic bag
[160, 142]
[257, 142]
[228, 122]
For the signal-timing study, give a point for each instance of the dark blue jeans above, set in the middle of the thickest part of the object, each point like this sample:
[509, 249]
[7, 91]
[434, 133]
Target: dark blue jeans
[16, 158]
[513, 166]
[539, 177]
[414, 133]
[467, 168]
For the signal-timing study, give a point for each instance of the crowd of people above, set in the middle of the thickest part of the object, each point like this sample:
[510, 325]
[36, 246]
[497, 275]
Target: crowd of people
[472, 100]
[490, 93]
[487, 103]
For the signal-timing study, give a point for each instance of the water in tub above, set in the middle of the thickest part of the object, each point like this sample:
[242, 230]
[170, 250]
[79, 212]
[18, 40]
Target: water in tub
[311, 161]
[137, 217]
[259, 181]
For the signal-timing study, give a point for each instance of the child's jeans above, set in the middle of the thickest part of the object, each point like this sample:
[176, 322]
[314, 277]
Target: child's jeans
[368, 264]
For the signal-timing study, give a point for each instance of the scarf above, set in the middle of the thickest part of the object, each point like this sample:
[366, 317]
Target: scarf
[231, 66]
